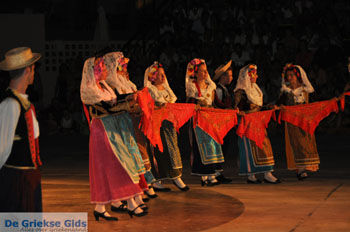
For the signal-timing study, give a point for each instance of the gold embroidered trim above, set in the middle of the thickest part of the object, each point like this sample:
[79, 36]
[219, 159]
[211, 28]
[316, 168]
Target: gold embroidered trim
[25, 103]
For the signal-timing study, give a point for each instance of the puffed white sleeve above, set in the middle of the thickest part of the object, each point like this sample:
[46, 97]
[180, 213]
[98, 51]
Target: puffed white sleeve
[9, 115]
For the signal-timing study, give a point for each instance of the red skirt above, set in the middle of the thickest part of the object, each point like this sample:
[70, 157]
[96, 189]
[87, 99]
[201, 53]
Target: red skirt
[108, 179]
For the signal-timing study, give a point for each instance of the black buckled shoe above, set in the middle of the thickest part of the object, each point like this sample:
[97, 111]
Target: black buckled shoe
[161, 189]
[120, 209]
[184, 189]
[223, 180]
[102, 215]
[132, 212]
[302, 176]
[151, 195]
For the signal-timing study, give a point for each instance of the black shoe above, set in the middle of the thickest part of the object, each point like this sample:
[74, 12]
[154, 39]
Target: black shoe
[161, 189]
[208, 183]
[132, 213]
[146, 199]
[278, 181]
[301, 176]
[120, 209]
[223, 180]
[143, 207]
[102, 215]
[184, 189]
[257, 181]
[151, 195]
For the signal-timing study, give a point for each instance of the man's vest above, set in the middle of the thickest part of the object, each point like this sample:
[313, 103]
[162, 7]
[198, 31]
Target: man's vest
[25, 149]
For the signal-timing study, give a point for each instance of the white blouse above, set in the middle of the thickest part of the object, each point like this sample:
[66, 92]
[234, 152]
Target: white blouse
[162, 96]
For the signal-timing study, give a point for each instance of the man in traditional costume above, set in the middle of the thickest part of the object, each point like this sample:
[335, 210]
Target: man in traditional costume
[223, 100]
[20, 176]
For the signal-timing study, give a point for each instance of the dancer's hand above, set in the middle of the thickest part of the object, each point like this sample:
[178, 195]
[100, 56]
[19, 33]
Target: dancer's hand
[131, 99]
[241, 113]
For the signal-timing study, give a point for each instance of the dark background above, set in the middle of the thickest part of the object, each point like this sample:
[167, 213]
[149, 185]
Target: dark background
[313, 34]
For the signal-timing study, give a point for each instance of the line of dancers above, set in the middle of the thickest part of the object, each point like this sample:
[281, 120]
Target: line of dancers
[122, 164]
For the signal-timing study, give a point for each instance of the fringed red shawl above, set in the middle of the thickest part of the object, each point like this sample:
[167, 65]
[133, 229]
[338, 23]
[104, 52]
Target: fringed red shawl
[308, 116]
[146, 103]
[215, 122]
[151, 120]
[342, 100]
[253, 126]
[177, 113]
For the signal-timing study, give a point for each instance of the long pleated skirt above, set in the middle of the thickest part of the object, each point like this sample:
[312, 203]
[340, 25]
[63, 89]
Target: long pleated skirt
[167, 164]
[143, 146]
[116, 167]
[253, 159]
[206, 154]
[301, 149]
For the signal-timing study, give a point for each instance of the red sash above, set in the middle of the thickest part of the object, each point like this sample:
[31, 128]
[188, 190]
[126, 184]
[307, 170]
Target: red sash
[33, 143]
[253, 126]
[177, 113]
[215, 122]
[308, 116]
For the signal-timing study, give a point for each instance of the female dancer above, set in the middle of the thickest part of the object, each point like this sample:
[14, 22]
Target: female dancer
[207, 155]
[169, 162]
[301, 148]
[248, 98]
[115, 163]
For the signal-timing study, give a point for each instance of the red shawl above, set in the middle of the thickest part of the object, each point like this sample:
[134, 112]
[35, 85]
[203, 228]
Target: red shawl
[342, 100]
[215, 122]
[308, 116]
[176, 113]
[146, 103]
[253, 126]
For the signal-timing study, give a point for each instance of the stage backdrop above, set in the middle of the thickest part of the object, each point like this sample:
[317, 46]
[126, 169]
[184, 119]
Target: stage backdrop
[27, 30]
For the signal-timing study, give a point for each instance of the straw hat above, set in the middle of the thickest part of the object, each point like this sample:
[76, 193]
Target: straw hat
[221, 70]
[19, 58]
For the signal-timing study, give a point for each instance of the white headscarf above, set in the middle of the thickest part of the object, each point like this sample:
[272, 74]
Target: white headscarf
[306, 85]
[191, 89]
[121, 83]
[90, 93]
[157, 96]
[252, 90]
[298, 92]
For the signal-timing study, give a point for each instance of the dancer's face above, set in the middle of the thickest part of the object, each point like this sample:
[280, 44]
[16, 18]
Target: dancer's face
[253, 76]
[228, 77]
[160, 77]
[30, 71]
[292, 79]
[202, 72]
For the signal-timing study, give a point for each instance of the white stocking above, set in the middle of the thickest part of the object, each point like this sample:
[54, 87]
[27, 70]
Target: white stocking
[179, 182]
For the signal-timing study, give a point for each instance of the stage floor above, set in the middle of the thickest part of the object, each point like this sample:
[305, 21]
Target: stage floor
[320, 203]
